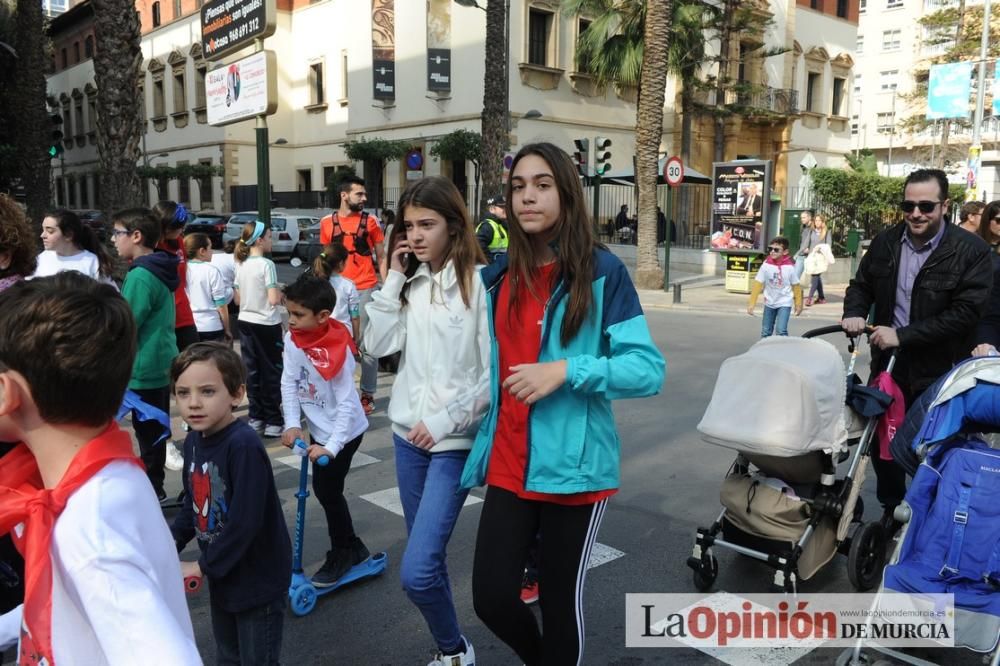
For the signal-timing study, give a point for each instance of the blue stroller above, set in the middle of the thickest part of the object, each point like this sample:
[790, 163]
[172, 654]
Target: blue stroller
[950, 540]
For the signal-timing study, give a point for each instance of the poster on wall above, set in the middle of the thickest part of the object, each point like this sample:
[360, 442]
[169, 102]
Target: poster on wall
[242, 89]
[949, 88]
[741, 195]
[384, 49]
[439, 45]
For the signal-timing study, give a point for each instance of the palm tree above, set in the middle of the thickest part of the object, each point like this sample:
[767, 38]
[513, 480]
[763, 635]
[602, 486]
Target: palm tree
[612, 45]
[495, 112]
[30, 122]
[117, 63]
[648, 134]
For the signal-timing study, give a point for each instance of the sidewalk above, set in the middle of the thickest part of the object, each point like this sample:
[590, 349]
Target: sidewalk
[708, 294]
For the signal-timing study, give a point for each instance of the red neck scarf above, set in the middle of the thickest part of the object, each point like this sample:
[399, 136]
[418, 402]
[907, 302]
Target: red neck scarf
[24, 500]
[326, 346]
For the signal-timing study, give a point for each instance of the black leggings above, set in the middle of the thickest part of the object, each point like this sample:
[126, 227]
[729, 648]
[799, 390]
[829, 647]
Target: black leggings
[507, 530]
[153, 455]
[328, 485]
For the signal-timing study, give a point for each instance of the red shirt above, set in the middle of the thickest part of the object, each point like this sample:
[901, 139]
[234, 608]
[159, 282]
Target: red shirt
[182, 307]
[360, 269]
[519, 340]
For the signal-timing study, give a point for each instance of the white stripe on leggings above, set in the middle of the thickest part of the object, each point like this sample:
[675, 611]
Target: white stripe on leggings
[581, 572]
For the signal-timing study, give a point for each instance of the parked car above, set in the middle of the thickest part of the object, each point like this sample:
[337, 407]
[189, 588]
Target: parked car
[286, 225]
[96, 220]
[212, 224]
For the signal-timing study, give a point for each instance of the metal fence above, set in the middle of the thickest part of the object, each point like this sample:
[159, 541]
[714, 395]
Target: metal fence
[690, 213]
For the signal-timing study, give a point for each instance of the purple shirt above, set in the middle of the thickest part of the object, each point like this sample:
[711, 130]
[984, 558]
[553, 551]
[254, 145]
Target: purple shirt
[911, 260]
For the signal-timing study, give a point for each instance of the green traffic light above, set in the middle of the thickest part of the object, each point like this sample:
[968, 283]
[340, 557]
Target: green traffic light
[53, 151]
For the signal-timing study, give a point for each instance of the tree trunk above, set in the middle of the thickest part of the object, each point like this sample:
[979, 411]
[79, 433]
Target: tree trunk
[722, 80]
[32, 130]
[648, 133]
[117, 67]
[946, 126]
[494, 103]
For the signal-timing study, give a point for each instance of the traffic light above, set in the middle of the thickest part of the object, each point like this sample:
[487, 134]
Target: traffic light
[56, 145]
[582, 156]
[602, 156]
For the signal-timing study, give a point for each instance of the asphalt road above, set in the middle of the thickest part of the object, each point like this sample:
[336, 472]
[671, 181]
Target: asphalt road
[670, 485]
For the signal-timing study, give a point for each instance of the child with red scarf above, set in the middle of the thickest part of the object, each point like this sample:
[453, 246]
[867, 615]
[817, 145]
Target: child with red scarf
[317, 379]
[102, 580]
[777, 279]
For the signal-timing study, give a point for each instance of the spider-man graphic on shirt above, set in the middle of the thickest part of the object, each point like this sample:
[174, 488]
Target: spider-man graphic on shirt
[208, 495]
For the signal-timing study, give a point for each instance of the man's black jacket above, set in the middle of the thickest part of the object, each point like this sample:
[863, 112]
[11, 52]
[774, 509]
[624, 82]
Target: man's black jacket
[948, 299]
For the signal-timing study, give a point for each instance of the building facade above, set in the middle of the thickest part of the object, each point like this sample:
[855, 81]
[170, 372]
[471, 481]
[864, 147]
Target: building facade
[894, 53]
[333, 60]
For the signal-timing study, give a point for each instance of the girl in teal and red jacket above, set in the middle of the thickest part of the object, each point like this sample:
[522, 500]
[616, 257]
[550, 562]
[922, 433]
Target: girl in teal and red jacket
[568, 336]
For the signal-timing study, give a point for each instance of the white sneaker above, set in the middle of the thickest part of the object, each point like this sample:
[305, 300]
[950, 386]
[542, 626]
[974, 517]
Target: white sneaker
[257, 425]
[175, 459]
[468, 658]
[273, 431]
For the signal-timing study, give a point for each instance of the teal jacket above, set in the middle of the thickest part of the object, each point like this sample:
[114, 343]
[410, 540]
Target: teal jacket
[573, 445]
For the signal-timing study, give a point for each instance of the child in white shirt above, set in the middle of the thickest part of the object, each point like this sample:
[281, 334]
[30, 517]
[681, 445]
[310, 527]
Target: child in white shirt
[330, 264]
[317, 379]
[206, 291]
[778, 280]
[103, 584]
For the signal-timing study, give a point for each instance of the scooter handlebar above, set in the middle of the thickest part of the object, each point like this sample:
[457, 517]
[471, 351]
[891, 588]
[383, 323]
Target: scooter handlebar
[322, 460]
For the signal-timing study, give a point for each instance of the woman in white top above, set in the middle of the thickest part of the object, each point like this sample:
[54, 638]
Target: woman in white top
[206, 291]
[330, 264]
[257, 294]
[433, 308]
[70, 245]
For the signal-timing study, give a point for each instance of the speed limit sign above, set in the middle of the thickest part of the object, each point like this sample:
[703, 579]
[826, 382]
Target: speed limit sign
[673, 171]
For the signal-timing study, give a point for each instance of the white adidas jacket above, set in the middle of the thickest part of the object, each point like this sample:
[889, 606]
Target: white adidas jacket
[444, 371]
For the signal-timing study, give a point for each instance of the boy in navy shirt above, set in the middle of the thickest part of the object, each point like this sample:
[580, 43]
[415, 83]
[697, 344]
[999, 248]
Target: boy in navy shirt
[233, 508]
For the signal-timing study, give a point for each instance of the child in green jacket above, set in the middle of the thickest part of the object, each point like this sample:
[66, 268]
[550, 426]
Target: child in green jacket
[148, 288]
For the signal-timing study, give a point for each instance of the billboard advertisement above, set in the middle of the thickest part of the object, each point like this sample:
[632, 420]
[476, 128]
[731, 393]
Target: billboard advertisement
[741, 197]
[948, 91]
[243, 89]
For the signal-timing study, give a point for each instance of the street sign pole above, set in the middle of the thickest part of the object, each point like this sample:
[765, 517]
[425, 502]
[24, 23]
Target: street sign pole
[263, 163]
[666, 238]
[673, 175]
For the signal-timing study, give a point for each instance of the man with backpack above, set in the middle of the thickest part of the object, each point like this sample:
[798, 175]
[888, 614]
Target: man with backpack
[361, 234]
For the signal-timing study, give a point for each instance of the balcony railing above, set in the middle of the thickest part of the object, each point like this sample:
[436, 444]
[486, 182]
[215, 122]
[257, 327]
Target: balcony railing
[783, 101]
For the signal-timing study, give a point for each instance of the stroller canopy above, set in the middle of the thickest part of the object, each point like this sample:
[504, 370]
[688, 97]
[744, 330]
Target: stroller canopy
[967, 399]
[783, 397]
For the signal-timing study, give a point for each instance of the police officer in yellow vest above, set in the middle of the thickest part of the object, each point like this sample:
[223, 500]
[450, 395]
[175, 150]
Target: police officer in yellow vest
[492, 231]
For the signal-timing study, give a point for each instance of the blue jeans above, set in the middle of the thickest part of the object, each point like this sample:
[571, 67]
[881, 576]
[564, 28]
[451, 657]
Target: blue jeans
[775, 317]
[248, 638]
[432, 499]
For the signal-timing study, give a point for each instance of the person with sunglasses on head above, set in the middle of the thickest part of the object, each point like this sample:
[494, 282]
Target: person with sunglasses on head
[927, 283]
[778, 280]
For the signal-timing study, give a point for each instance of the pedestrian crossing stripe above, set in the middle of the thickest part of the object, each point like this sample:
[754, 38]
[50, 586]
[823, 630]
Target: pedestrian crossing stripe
[359, 460]
[388, 499]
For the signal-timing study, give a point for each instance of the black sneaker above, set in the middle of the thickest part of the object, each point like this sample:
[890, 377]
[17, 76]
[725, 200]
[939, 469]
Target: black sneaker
[161, 495]
[360, 551]
[338, 562]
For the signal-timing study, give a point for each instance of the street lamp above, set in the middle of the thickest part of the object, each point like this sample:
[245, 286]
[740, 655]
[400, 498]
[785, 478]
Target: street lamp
[280, 142]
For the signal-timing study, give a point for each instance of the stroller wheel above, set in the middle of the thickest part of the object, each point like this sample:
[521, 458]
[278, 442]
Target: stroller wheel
[866, 557]
[705, 575]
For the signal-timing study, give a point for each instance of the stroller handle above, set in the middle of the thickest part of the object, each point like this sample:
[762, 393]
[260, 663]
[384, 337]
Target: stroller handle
[824, 330]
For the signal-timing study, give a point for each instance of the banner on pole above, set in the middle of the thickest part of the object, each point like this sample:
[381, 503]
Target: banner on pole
[948, 90]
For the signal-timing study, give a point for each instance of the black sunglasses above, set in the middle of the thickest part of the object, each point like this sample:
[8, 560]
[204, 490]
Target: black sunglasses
[775, 249]
[924, 206]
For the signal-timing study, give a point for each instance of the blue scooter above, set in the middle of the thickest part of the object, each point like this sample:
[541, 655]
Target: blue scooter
[301, 592]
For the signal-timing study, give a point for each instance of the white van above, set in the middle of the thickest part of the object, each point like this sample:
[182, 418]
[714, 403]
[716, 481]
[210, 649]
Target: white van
[286, 225]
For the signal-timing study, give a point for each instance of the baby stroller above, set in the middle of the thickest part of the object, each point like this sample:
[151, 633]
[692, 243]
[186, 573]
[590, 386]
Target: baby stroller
[781, 406]
[950, 539]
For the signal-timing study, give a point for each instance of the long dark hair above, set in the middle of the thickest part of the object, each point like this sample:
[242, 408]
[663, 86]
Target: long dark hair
[572, 241]
[83, 237]
[992, 210]
[171, 216]
[441, 196]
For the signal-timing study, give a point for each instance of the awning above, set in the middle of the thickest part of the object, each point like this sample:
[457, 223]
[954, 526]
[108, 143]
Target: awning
[626, 176]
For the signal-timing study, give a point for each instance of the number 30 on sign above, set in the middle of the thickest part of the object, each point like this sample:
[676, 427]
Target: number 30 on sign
[673, 171]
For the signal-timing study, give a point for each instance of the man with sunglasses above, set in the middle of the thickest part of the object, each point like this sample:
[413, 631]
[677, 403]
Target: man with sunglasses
[925, 284]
